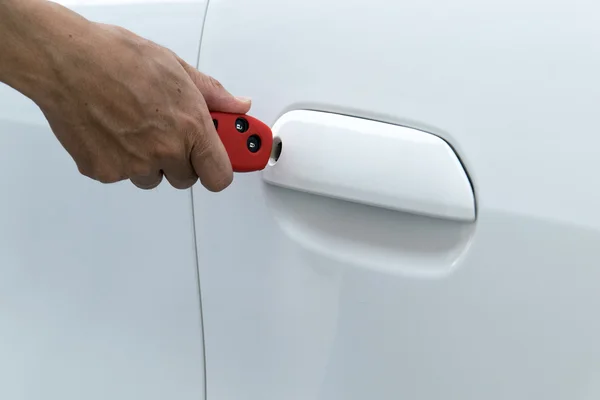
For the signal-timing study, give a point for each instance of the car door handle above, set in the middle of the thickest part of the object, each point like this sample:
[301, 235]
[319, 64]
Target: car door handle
[369, 162]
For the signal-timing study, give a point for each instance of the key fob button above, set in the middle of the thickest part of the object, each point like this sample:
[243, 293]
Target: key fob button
[253, 143]
[241, 124]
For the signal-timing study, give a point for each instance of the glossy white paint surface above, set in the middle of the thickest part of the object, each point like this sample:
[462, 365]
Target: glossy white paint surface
[370, 162]
[98, 284]
[316, 298]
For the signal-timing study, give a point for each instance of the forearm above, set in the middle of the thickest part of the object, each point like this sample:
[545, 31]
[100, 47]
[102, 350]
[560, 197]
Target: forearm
[33, 32]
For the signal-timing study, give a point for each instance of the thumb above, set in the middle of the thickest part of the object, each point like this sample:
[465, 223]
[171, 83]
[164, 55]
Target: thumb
[216, 96]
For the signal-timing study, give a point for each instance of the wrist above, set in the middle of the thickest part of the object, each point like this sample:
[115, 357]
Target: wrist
[35, 36]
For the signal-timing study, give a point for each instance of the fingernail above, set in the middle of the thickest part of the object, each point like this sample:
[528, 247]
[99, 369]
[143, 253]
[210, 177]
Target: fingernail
[243, 99]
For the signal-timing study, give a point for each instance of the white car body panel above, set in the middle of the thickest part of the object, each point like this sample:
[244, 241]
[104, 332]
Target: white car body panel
[98, 284]
[306, 297]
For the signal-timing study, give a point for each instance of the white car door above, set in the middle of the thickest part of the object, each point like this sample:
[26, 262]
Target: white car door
[309, 296]
[98, 283]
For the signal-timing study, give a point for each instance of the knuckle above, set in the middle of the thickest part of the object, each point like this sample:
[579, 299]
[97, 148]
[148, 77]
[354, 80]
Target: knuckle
[203, 148]
[213, 82]
[101, 174]
[85, 170]
[108, 176]
[220, 182]
[140, 169]
[183, 184]
[169, 149]
[190, 123]
[221, 177]
[195, 135]
[145, 185]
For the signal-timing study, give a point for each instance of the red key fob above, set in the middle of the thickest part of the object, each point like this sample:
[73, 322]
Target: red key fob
[247, 140]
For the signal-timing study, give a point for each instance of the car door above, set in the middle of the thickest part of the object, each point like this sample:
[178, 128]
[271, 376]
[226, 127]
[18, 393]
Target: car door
[98, 283]
[311, 295]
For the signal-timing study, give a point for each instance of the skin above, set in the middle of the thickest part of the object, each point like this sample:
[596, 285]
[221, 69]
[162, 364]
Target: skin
[122, 106]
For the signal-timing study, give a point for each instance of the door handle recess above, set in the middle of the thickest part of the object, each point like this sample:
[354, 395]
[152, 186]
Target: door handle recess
[370, 162]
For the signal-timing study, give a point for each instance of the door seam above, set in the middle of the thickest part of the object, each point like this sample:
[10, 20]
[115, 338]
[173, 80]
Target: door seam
[195, 233]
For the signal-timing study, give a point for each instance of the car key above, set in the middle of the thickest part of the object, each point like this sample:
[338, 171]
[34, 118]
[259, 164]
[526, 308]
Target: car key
[248, 141]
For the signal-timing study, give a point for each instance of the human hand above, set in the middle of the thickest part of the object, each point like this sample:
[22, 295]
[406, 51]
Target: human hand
[126, 108]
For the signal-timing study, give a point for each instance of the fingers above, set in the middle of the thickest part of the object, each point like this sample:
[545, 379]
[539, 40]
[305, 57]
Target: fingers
[209, 158]
[216, 96]
[147, 182]
[205, 158]
[181, 176]
[208, 155]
